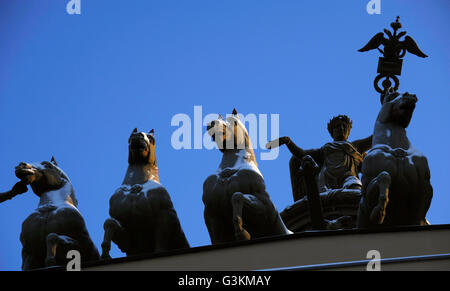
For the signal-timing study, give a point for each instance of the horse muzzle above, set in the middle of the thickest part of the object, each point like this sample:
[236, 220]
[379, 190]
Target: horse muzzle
[26, 173]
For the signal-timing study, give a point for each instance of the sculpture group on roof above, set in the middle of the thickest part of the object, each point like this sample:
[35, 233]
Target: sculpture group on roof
[394, 188]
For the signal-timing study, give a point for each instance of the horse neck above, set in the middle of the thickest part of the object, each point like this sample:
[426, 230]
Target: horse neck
[390, 134]
[141, 173]
[235, 157]
[63, 195]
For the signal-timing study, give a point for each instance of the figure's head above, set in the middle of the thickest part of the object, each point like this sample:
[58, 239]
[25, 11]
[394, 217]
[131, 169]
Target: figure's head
[230, 133]
[339, 127]
[401, 107]
[42, 177]
[141, 147]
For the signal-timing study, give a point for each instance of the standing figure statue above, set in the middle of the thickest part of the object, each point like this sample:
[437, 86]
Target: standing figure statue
[339, 160]
[396, 177]
[143, 219]
[237, 205]
[56, 226]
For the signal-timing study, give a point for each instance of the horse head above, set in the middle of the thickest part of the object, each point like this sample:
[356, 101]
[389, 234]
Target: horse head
[45, 177]
[397, 108]
[141, 158]
[141, 148]
[230, 134]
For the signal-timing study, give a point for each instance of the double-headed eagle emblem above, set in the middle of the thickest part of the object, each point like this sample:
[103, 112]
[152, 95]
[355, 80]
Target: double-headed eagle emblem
[393, 51]
[393, 47]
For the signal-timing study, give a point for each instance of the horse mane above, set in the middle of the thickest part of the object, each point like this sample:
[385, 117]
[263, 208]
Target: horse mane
[66, 181]
[232, 120]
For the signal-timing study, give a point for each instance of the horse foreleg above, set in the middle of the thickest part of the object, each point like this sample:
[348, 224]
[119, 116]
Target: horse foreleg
[238, 201]
[109, 227]
[113, 232]
[162, 231]
[378, 212]
[58, 244]
[218, 229]
[30, 261]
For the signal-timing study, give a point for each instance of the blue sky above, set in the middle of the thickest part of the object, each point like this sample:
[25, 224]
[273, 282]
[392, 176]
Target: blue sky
[75, 86]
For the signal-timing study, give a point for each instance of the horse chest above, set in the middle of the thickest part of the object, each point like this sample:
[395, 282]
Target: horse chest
[407, 186]
[48, 219]
[407, 190]
[223, 185]
[407, 168]
[133, 203]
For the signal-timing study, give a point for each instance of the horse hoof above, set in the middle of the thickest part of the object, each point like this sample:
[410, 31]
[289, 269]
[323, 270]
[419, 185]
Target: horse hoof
[106, 256]
[343, 222]
[378, 214]
[242, 235]
[49, 262]
[105, 251]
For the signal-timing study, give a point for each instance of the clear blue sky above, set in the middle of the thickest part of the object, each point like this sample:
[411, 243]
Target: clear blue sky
[75, 86]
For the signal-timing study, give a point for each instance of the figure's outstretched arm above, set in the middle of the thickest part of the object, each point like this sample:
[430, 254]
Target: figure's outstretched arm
[6, 196]
[363, 145]
[19, 188]
[294, 149]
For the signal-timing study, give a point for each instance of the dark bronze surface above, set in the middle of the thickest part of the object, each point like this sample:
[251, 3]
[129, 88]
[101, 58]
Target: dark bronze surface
[56, 226]
[394, 50]
[396, 177]
[335, 178]
[237, 205]
[143, 219]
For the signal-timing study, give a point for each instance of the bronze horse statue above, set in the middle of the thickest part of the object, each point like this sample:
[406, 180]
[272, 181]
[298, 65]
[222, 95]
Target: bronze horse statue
[143, 219]
[56, 226]
[237, 205]
[395, 176]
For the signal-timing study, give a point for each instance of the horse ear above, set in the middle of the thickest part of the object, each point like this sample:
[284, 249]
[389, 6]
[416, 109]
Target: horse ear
[151, 136]
[134, 130]
[234, 111]
[53, 161]
[220, 117]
